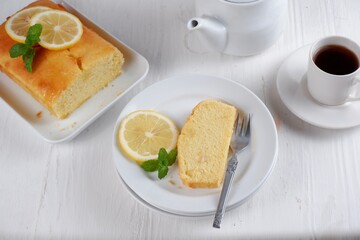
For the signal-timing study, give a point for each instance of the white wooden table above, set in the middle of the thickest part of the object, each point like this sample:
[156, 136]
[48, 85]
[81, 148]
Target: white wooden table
[72, 190]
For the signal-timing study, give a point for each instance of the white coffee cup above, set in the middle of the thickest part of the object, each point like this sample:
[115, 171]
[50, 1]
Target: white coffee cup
[324, 85]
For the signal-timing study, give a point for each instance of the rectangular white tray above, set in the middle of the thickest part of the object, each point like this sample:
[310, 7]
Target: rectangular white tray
[56, 130]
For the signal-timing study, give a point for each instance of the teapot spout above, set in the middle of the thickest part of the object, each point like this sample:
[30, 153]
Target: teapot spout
[212, 32]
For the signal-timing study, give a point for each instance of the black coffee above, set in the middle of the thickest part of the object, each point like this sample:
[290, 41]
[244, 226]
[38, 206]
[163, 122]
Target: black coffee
[336, 60]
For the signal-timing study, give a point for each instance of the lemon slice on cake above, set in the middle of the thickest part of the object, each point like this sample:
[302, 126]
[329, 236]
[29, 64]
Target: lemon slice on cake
[142, 133]
[18, 25]
[60, 29]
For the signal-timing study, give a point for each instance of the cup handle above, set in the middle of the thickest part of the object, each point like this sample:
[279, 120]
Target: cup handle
[355, 94]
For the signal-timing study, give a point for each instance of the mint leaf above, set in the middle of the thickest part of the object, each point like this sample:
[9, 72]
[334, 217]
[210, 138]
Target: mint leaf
[172, 157]
[27, 50]
[162, 172]
[28, 59]
[161, 164]
[33, 35]
[163, 157]
[150, 165]
[18, 50]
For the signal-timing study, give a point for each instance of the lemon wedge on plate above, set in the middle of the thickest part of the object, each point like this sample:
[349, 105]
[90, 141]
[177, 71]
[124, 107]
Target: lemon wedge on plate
[142, 133]
[60, 29]
[18, 25]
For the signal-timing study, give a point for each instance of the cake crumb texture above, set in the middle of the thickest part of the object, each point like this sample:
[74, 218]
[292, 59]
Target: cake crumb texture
[203, 144]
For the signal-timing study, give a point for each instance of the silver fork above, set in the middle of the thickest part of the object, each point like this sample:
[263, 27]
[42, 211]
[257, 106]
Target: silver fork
[239, 141]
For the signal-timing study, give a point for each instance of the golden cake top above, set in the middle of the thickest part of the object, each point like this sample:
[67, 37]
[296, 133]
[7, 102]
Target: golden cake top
[53, 71]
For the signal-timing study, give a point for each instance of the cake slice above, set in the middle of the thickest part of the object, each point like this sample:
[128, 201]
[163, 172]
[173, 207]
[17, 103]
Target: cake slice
[203, 144]
[63, 80]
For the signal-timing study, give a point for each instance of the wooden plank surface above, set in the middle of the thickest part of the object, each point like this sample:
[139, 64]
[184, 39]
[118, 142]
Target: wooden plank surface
[72, 190]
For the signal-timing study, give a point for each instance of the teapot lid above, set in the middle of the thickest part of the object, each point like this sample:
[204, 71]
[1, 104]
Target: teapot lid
[241, 1]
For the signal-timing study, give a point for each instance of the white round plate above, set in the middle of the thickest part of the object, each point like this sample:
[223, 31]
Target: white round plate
[292, 88]
[176, 97]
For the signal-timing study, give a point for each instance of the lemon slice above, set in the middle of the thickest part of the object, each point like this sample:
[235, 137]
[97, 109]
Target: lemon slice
[18, 25]
[142, 134]
[61, 29]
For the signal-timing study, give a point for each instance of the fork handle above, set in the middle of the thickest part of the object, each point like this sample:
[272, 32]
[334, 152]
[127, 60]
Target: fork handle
[230, 171]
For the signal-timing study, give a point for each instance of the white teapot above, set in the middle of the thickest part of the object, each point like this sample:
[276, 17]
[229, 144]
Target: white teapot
[239, 27]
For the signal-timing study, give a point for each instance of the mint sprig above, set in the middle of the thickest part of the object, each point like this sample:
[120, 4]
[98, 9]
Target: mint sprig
[26, 50]
[161, 164]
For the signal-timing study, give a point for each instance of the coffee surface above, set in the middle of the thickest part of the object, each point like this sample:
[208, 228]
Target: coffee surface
[336, 60]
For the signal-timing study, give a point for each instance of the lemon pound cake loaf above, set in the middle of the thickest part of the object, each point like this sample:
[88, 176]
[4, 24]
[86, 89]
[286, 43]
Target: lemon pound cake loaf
[62, 80]
[203, 144]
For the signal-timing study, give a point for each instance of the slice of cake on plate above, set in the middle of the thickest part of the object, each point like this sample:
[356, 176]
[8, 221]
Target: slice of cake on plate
[203, 144]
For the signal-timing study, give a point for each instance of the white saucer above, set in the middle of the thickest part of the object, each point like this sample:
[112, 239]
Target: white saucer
[291, 85]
